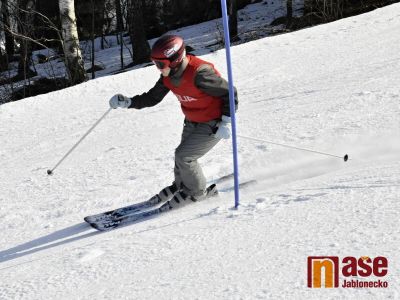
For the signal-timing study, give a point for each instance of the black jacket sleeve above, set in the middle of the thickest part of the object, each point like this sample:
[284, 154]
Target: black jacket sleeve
[210, 83]
[152, 97]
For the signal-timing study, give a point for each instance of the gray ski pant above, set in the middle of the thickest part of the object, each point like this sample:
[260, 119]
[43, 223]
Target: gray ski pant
[197, 140]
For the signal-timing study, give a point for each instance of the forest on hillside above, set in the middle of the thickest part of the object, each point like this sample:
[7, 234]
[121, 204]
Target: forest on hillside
[28, 26]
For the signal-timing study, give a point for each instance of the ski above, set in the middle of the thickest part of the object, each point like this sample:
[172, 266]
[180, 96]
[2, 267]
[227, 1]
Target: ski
[137, 207]
[242, 185]
[111, 220]
[224, 178]
[129, 215]
[130, 209]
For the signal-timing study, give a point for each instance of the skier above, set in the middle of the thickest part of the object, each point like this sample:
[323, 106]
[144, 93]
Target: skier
[204, 98]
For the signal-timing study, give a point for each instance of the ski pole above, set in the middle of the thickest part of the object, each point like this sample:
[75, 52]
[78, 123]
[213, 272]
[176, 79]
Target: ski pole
[50, 172]
[345, 157]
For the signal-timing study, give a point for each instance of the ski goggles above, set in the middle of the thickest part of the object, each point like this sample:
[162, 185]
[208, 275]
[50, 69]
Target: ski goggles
[171, 62]
[161, 64]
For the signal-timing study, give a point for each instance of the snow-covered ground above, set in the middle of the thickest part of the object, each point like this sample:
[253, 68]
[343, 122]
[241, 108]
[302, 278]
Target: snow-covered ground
[330, 88]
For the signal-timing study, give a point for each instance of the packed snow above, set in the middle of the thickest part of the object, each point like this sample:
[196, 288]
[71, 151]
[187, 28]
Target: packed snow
[331, 88]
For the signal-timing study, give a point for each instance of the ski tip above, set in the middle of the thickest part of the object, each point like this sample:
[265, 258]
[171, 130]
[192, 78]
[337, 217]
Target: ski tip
[212, 190]
[211, 187]
[91, 224]
[94, 225]
[99, 225]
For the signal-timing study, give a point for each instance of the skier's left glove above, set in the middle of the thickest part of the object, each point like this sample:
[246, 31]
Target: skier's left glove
[120, 100]
[224, 128]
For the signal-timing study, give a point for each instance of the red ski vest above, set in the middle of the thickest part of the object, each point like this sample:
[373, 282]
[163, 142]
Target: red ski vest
[196, 105]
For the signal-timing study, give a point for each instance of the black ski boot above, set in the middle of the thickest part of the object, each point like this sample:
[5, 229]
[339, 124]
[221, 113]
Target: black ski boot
[181, 198]
[167, 193]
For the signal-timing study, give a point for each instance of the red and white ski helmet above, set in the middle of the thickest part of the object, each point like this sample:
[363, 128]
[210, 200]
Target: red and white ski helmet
[168, 51]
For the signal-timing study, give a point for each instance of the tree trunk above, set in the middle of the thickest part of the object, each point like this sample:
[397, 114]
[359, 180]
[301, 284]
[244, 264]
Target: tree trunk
[140, 45]
[120, 29]
[26, 25]
[72, 52]
[289, 12]
[102, 26]
[3, 61]
[92, 39]
[120, 20]
[233, 21]
[9, 38]
[3, 56]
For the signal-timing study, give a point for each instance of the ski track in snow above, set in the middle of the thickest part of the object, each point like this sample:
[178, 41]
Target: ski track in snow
[332, 88]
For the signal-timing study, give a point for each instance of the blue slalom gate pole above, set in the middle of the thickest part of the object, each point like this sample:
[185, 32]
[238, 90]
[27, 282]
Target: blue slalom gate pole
[231, 99]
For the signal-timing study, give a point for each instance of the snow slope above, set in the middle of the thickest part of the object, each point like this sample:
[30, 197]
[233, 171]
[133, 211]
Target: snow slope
[331, 88]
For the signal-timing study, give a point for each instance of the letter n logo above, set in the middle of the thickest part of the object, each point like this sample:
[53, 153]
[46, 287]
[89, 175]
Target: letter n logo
[322, 268]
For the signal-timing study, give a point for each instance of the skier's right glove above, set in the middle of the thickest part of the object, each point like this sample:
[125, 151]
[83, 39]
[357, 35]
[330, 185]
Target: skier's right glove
[120, 100]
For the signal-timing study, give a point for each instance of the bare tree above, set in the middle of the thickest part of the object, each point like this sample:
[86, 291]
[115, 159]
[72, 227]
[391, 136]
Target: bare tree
[328, 10]
[140, 45]
[72, 52]
[9, 38]
[120, 20]
[120, 29]
[27, 27]
[3, 61]
[233, 20]
[26, 24]
[92, 37]
[289, 10]
[3, 56]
